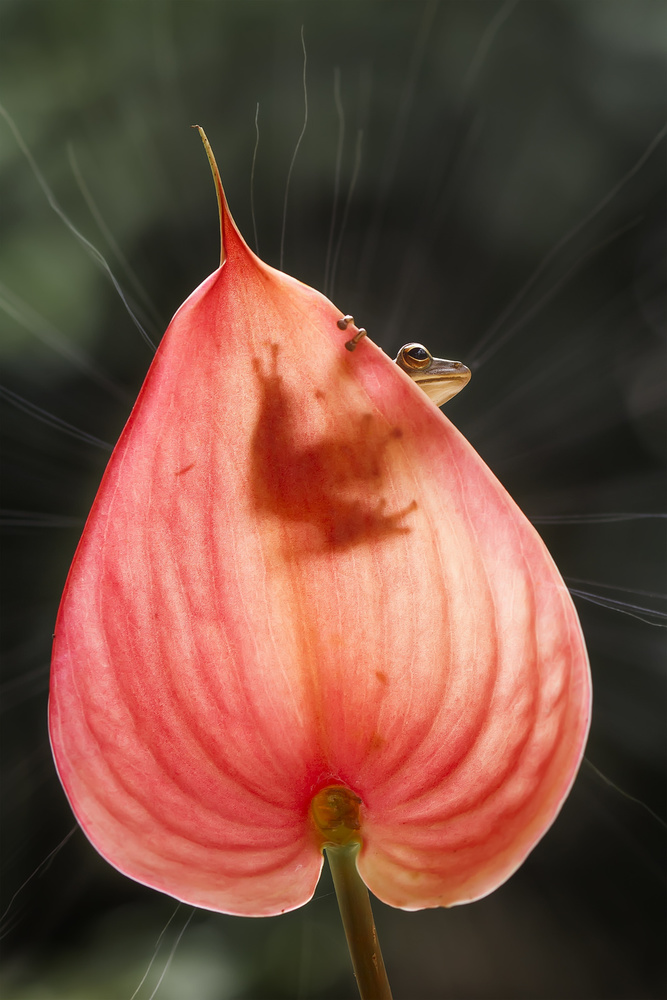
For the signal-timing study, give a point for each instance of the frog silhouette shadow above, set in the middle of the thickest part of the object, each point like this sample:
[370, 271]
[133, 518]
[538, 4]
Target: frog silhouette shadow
[335, 484]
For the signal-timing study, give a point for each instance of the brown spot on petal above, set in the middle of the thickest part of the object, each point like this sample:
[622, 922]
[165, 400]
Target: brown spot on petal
[186, 468]
[381, 676]
[334, 484]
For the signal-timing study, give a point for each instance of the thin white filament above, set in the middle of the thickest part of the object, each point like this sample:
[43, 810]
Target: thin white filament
[395, 143]
[172, 953]
[622, 607]
[36, 519]
[626, 795]
[30, 320]
[611, 518]
[564, 240]
[296, 150]
[552, 292]
[32, 410]
[252, 180]
[339, 156]
[157, 948]
[346, 210]
[109, 237]
[92, 250]
[4, 930]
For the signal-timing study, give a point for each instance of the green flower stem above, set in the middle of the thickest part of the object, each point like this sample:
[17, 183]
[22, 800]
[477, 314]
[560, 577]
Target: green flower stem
[355, 910]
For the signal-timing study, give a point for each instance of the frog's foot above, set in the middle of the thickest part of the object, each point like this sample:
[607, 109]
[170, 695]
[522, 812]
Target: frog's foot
[343, 324]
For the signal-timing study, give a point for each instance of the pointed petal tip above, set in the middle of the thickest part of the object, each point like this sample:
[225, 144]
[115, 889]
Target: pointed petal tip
[229, 232]
[222, 204]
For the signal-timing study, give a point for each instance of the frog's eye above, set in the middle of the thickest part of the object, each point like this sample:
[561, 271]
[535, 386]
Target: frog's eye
[416, 357]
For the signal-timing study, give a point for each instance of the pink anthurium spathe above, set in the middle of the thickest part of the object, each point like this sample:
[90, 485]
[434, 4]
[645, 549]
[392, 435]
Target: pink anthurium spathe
[304, 609]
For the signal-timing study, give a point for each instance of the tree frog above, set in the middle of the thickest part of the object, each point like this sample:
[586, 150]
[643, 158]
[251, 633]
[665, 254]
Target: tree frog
[439, 379]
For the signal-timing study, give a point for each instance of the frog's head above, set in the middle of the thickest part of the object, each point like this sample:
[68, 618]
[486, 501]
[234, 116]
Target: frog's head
[439, 379]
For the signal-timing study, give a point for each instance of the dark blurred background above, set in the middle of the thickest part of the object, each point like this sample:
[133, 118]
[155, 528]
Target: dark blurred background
[476, 205]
